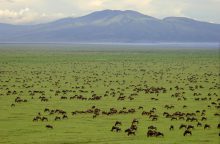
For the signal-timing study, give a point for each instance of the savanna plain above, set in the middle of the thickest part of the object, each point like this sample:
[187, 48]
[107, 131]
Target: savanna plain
[86, 94]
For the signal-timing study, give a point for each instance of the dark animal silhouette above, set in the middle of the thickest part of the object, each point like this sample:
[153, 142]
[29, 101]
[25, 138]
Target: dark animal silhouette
[182, 126]
[218, 126]
[130, 131]
[12, 105]
[118, 123]
[57, 118]
[207, 126]
[199, 124]
[158, 134]
[44, 119]
[190, 127]
[49, 126]
[187, 132]
[115, 128]
[171, 127]
[152, 127]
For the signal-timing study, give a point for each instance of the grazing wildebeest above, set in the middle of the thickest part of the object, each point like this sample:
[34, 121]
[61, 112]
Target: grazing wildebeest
[204, 118]
[44, 119]
[117, 123]
[44, 100]
[199, 124]
[141, 107]
[49, 126]
[151, 133]
[65, 117]
[94, 116]
[154, 119]
[57, 118]
[46, 110]
[218, 126]
[115, 128]
[63, 97]
[152, 127]
[127, 130]
[145, 113]
[187, 132]
[130, 131]
[171, 127]
[207, 126]
[184, 106]
[173, 118]
[181, 118]
[159, 134]
[182, 126]
[73, 113]
[190, 127]
[12, 105]
[133, 127]
[35, 119]
[135, 121]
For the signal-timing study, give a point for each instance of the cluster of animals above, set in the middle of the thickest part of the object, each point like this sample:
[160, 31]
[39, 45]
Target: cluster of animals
[152, 130]
[59, 115]
[118, 87]
[130, 131]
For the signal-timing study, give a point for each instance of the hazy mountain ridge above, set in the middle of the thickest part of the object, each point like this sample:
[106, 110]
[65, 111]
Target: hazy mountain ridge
[114, 26]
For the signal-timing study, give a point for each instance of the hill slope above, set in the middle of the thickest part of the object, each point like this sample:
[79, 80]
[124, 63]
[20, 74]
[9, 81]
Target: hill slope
[114, 26]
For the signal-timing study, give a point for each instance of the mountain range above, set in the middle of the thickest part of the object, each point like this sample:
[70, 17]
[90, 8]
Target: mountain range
[113, 26]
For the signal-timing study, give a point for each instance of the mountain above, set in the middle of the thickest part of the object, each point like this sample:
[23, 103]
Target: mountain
[114, 26]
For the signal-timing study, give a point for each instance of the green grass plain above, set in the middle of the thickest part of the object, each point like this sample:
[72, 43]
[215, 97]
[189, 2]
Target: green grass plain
[28, 67]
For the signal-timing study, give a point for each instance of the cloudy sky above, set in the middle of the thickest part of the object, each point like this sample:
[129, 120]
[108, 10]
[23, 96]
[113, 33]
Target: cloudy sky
[40, 11]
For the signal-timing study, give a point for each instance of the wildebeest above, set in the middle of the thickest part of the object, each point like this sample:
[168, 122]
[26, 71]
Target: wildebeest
[63, 97]
[65, 117]
[49, 126]
[135, 121]
[57, 118]
[133, 127]
[187, 132]
[12, 105]
[153, 133]
[199, 124]
[130, 131]
[46, 110]
[94, 116]
[171, 127]
[204, 118]
[44, 119]
[182, 126]
[117, 123]
[36, 118]
[207, 126]
[152, 127]
[159, 134]
[141, 107]
[218, 126]
[115, 128]
[190, 127]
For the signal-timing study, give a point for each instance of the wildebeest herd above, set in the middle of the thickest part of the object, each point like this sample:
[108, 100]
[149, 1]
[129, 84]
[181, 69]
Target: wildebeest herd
[109, 95]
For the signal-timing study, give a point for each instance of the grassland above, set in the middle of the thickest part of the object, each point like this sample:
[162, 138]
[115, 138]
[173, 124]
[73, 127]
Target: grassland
[83, 71]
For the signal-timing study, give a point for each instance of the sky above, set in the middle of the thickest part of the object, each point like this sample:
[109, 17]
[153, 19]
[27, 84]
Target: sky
[41, 11]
